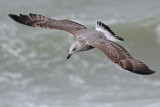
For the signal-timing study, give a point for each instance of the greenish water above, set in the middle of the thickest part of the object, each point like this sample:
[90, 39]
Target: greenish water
[34, 71]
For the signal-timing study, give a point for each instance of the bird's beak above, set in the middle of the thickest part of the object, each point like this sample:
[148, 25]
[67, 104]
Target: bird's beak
[69, 56]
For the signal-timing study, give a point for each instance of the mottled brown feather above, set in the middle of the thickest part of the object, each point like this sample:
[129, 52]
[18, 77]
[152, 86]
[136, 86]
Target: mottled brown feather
[121, 57]
[36, 20]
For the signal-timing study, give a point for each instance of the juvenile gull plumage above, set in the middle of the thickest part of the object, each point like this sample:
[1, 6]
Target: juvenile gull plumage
[102, 38]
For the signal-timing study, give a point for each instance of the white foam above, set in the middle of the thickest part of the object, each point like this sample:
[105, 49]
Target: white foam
[76, 80]
[14, 78]
[7, 29]
[11, 45]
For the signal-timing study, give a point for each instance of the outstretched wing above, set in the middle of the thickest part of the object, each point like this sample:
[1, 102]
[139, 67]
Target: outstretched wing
[107, 32]
[121, 57]
[36, 20]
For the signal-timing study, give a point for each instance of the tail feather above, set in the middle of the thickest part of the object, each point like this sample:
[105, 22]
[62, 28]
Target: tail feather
[108, 32]
[119, 38]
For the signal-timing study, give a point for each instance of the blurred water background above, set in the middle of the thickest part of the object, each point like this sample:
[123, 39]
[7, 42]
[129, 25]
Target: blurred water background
[34, 71]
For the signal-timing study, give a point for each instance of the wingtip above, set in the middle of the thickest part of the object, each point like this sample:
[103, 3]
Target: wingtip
[10, 15]
[13, 16]
[16, 18]
[146, 72]
[151, 72]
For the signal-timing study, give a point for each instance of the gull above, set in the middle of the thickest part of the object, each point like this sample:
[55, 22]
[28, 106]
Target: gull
[102, 38]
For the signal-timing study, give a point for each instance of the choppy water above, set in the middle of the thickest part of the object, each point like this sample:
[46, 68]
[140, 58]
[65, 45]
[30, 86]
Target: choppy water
[34, 71]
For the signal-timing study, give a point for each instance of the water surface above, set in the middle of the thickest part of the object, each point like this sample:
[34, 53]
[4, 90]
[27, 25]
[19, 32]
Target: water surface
[34, 71]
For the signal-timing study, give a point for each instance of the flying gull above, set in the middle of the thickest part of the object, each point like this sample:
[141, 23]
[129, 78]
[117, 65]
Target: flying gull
[102, 38]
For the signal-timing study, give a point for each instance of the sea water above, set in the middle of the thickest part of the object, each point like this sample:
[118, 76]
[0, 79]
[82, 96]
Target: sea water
[34, 71]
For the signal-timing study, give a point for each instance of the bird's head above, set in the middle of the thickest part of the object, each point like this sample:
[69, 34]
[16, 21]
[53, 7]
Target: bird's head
[76, 47]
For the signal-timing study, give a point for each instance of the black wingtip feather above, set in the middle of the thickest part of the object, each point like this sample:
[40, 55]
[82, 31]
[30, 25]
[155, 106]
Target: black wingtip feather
[147, 72]
[16, 18]
[119, 38]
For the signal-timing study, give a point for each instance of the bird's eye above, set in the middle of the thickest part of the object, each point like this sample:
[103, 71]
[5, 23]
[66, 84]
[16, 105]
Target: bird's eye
[74, 49]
